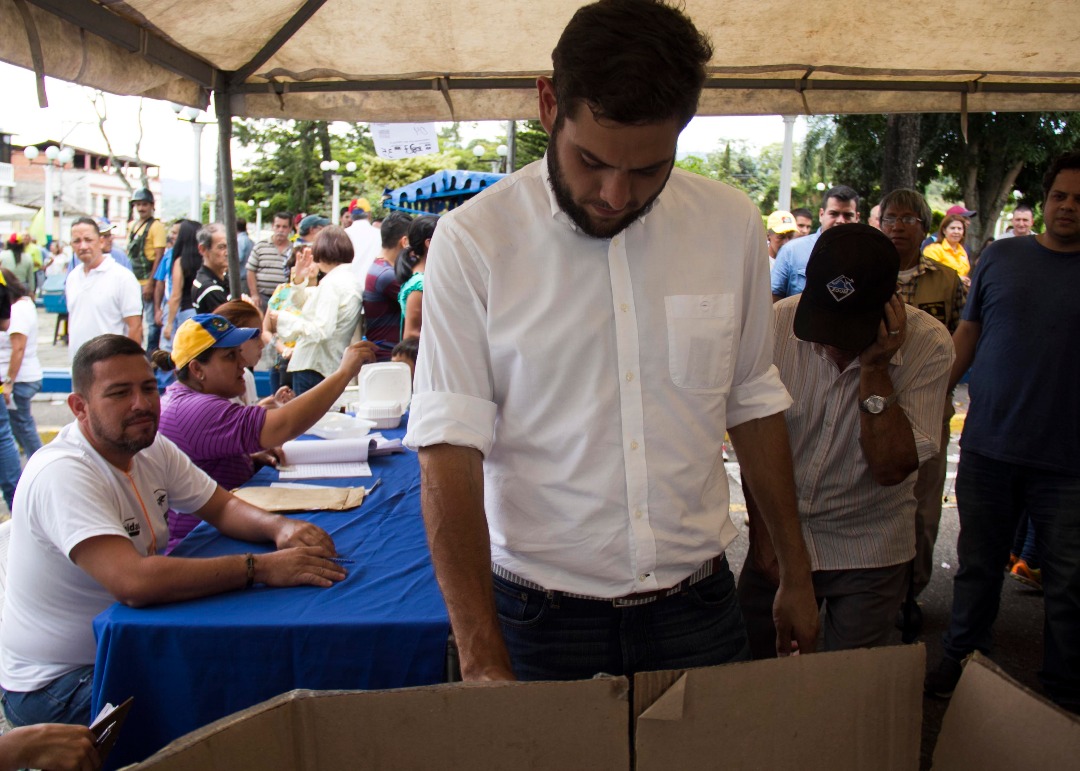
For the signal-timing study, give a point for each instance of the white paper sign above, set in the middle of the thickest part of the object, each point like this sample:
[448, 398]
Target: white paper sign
[403, 140]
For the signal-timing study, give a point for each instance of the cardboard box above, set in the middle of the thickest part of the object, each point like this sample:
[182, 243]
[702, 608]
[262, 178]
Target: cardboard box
[831, 711]
[995, 724]
[837, 711]
[476, 726]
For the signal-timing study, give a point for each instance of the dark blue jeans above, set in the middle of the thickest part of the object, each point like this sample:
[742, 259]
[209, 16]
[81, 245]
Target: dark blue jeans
[990, 496]
[10, 463]
[305, 380]
[22, 420]
[551, 637]
[65, 700]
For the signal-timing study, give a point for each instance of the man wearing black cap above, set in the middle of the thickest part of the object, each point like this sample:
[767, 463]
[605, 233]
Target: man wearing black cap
[868, 378]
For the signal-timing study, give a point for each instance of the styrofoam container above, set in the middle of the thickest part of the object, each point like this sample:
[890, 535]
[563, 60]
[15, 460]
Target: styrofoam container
[335, 425]
[385, 390]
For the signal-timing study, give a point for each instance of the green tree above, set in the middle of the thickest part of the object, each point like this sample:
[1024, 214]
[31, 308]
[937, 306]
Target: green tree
[1003, 152]
[286, 169]
[756, 175]
[532, 143]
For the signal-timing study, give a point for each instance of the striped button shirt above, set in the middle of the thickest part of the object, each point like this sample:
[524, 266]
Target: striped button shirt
[849, 520]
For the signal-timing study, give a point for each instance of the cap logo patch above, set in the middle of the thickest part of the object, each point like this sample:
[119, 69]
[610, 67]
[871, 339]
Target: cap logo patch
[841, 287]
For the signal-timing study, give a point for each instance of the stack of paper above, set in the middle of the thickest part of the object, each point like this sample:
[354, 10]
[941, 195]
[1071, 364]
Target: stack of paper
[334, 458]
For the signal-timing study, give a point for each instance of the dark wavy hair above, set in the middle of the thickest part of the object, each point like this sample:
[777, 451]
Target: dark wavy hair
[421, 229]
[630, 61]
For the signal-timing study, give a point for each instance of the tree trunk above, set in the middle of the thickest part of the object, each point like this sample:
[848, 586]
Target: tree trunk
[901, 152]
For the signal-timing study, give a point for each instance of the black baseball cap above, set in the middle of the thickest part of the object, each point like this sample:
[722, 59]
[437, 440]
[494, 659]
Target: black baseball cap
[849, 278]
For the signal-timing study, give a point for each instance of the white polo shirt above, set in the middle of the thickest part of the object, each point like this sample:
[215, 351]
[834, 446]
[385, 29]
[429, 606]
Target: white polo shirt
[99, 301]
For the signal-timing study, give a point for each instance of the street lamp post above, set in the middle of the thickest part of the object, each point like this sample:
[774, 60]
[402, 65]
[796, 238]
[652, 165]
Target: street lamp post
[53, 155]
[191, 115]
[333, 166]
[498, 163]
[258, 216]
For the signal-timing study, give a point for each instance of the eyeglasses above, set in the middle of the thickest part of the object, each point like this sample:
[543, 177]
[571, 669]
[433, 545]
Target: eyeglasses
[909, 219]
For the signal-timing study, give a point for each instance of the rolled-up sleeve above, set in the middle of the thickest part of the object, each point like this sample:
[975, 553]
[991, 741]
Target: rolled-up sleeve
[453, 401]
[756, 388]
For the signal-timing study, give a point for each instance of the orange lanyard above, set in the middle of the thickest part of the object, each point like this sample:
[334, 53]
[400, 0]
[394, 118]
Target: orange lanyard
[146, 516]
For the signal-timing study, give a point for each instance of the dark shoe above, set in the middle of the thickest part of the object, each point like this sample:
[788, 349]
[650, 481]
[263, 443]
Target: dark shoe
[941, 682]
[909, 620]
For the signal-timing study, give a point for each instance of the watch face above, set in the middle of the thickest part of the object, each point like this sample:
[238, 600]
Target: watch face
[875, 405]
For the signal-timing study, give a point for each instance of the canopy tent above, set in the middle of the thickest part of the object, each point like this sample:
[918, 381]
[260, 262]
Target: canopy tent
[440, 191]
[393, 60]
[10, 212]
[398, 61]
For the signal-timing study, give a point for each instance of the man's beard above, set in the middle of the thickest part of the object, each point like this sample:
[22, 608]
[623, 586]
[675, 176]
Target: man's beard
[577, 213]
[118, 440]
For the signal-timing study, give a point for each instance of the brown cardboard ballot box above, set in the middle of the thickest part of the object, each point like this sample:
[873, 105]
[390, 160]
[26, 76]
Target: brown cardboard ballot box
[829, 711]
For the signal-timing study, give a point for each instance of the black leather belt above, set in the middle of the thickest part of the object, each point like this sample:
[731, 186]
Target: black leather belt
[630, 600]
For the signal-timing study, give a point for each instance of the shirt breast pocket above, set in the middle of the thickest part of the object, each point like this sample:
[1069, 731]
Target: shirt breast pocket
[701, 329]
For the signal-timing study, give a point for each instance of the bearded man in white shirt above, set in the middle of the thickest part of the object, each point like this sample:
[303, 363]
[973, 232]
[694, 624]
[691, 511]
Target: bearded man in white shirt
[868, 376]
[592, 325]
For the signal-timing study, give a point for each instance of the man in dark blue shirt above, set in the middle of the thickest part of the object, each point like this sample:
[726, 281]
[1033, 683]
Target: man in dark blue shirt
[1021, 440]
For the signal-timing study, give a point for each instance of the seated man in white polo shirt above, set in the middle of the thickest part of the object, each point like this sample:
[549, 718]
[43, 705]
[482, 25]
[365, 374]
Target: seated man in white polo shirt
[102, 298]
[88, 526]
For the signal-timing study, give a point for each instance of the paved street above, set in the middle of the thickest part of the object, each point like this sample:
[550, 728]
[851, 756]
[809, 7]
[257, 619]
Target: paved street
[1019, 629]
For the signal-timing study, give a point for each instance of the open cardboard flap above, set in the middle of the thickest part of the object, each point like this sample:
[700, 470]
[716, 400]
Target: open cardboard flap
[557, 726]
[993, 722]
[847, 710]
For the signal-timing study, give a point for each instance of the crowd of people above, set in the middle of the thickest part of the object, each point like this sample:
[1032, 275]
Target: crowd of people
[595, 326]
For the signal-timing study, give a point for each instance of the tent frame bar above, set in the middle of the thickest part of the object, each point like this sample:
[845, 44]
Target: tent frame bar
[280, 38]
[730, 84]
[131, 37]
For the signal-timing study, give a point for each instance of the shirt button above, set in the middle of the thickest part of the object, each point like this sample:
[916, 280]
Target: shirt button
[643, 577]
[633, 445]
[638, 514]
[624, 307]
[629, 376]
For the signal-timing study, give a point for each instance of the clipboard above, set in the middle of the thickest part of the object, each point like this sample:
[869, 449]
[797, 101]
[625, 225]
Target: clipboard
[107, 727]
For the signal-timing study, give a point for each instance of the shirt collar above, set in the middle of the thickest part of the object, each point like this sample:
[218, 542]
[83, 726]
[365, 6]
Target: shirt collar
[558, 214]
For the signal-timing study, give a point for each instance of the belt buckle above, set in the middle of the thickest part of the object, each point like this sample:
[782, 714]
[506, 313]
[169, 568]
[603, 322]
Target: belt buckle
[631, 601]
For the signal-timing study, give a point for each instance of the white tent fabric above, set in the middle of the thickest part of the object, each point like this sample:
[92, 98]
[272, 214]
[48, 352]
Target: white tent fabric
[392, 60]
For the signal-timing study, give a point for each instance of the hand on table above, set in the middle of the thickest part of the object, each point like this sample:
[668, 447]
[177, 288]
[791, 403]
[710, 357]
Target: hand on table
[50, 746]
[297, 532]
[299, 566]
[272, 457]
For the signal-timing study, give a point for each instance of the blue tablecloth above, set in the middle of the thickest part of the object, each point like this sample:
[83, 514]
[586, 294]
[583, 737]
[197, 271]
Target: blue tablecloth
[190, 663]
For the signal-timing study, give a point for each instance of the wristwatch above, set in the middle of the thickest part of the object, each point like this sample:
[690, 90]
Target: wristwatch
[875, 405]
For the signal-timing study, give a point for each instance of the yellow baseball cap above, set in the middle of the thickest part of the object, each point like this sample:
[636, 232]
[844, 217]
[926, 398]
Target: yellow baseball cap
[205, 331]
[781, 222]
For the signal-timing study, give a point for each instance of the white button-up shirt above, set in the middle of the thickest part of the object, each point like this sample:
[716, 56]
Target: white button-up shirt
[597, 376]
[325, 326]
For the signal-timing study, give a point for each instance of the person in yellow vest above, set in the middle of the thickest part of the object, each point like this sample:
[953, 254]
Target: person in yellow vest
[146, 245]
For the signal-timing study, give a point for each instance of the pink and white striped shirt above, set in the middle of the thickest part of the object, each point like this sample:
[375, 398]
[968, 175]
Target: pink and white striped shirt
[849, 520]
